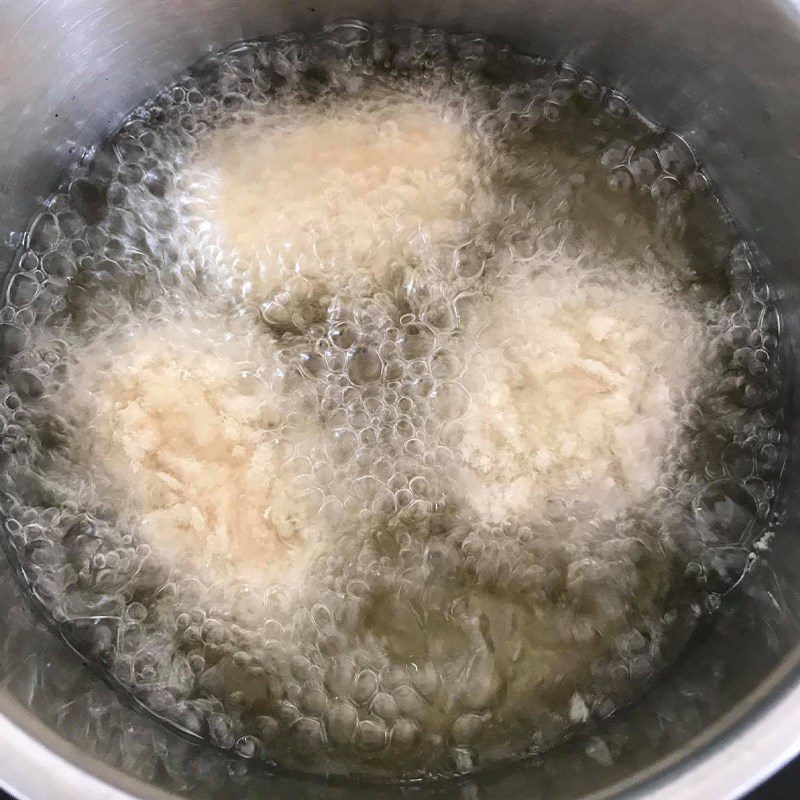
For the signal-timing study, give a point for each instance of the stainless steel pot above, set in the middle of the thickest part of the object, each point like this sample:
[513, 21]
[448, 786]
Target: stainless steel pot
[726, 75]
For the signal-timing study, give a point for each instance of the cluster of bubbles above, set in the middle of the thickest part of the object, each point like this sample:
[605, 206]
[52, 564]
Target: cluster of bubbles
[421, 637]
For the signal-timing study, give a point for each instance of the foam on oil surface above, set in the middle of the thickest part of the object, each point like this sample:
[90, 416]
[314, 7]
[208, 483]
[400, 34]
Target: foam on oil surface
[385, 403]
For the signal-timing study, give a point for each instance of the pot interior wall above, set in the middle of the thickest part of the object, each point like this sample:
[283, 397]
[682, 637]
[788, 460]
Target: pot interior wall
[726, 76]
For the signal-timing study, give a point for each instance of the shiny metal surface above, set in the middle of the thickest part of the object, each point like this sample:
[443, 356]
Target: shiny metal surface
[724, 75]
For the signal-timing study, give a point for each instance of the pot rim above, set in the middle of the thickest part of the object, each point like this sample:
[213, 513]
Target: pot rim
[736, 754]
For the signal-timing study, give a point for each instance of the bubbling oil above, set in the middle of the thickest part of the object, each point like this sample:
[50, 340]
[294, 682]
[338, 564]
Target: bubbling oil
[385, 402]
